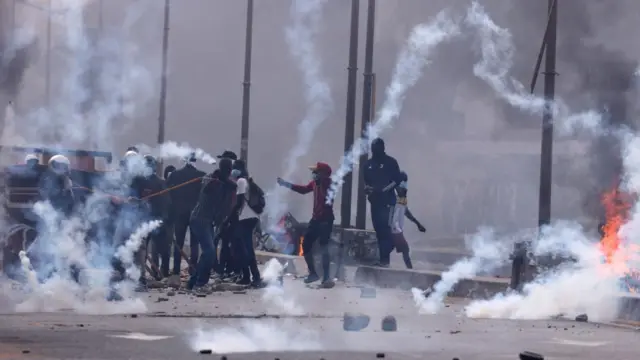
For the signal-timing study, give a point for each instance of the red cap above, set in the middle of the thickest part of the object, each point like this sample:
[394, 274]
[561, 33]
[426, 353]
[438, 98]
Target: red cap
[321, 167]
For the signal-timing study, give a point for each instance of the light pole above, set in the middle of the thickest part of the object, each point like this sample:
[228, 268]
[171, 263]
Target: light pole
[520, 270]
[47, 75]
[246, 85]
[350, 121]
[367, 97]
[163, 79]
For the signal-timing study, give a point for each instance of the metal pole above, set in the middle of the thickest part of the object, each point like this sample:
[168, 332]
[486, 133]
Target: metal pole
[520, 269]
[163, 80]
[367, 95]
[350, 121]
[48, 59]
[13, 18]
[246, 85]
[101, 16]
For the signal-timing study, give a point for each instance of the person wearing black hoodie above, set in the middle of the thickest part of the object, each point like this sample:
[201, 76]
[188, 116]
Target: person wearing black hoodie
[184, 196]
[381, 176]
[217, 194]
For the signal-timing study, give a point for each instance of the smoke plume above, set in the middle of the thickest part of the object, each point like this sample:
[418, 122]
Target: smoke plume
[301, 38]
[408, 70]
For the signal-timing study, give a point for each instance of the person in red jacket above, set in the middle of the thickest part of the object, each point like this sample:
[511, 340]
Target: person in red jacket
[321, 223]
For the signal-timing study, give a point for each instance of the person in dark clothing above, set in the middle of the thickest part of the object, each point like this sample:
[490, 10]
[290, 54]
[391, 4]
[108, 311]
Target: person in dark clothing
[168, 170]
[56, 187]
[247, 222]
[321, 223]
[214, 205]
[185, 185]
[381, 176]
[227, 267]
[159, 203]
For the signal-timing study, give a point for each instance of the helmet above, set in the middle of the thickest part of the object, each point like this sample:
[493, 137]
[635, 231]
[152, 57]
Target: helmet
[130, 153]
[150, 161]
[59, 163]
[31, 159]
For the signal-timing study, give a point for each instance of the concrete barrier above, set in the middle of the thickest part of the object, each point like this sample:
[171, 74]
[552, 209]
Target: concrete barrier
[405, 279]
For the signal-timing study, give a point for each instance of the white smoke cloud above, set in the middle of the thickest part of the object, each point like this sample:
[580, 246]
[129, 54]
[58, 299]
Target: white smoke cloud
[306, 16]
[408, 69]
[274, 294]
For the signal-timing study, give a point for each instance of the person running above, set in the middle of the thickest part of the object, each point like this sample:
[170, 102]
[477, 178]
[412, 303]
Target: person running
[400, 211]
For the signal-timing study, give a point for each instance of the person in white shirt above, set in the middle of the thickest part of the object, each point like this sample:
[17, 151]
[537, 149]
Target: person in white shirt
[248, 220]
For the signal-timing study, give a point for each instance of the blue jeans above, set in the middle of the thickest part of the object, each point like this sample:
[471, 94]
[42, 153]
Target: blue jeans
[380, 217]
[203, 236]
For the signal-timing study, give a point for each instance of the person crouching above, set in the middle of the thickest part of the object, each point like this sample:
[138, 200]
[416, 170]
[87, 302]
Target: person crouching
[321, 223]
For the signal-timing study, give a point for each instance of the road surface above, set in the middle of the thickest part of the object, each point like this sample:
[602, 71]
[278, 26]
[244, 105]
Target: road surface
[299, 323]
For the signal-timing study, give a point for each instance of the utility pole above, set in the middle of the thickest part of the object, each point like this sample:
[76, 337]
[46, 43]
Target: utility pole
[48, 59]
[367, 96]
[520, 269]
[101, 17]
[163, 79]
[246, 85]
[350, 121]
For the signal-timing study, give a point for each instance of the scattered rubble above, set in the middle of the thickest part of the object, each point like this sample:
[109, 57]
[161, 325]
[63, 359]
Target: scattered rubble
[389, 323]
[355, 322]
[582, 318]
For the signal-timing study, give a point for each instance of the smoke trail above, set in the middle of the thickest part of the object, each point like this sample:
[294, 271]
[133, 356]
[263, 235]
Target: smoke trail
[582, 285]
[127, 251]
[261, 336]
[255, 337]
[408, 69]
[488, 254]
[274, 294]
[497, 53]
[301, 35]
[172, 150]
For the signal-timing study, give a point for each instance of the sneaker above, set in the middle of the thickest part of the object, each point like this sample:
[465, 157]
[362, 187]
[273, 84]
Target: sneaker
[327, 284]
[201, 290]
[381, 264]
[243, 281]
[311, 278]
[258, 284]
[141, 288]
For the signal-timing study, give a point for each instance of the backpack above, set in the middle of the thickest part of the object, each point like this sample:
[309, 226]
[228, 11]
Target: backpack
[256, 201]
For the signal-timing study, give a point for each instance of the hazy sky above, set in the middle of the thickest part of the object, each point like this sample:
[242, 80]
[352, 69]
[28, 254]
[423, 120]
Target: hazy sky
[465, 152]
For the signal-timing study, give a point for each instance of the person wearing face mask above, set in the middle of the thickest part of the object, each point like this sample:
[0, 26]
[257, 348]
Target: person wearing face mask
[214, 206]
[321, 223]
[247, 222]
[381, 176]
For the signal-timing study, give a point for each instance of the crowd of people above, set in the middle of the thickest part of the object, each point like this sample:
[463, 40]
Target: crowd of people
[221, 212]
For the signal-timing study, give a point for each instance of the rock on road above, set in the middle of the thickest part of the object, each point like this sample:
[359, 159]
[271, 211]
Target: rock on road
[230, 323]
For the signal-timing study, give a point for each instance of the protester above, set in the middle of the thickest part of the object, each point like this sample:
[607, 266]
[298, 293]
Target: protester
[400, 211]
[159, 202]
[213, 207]
[185, 189]
[226, 267]
[381, 176]
[247, 222]
[321, 223]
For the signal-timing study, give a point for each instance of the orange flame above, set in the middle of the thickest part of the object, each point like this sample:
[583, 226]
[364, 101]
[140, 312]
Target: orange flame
[300, 250]
[616, 205]
[616, 251]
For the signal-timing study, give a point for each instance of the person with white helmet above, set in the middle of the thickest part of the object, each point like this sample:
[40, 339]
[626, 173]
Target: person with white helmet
[55, 185]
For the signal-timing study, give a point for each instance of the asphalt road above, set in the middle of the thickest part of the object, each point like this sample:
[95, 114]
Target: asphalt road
[299, 323]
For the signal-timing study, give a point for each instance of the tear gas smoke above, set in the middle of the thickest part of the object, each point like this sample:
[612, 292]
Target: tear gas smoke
[274, 294]
[255, 337]
[62, 251]
[488, 254]
[497, 52]
[106, 80]
[127, 251]
[262, 336]
[408, 69]
[173, 150]
[583, 285]
[300, 37]
[560, 290]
